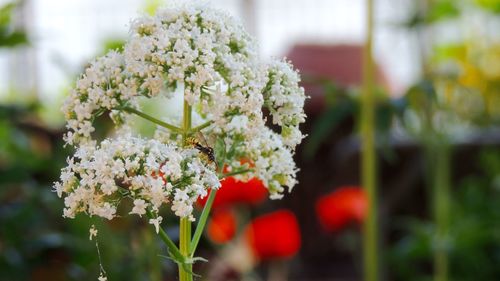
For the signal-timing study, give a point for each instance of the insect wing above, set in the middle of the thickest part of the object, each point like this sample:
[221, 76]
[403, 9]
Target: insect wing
[201, 138]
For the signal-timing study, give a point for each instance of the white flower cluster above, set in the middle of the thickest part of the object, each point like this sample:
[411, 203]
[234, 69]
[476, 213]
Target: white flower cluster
[147, 172]
[273, 163]
[103, 86]
[285, 101]
[213, 60]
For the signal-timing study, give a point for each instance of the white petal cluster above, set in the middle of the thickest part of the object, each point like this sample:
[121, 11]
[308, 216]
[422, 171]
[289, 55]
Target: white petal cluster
[207, 55]
[103, 87]
[285, 100]
[147, 172]
[273, 162]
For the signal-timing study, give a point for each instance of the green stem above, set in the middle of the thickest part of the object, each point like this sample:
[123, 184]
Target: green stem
[185, 272]
[235, 173]
[152, 119]
[154, 259]
[184, 239]
[186, 121]
[206, 211]
[370, 232]
[202, 221]
[441, 187]
[201, 127]
[172, 248]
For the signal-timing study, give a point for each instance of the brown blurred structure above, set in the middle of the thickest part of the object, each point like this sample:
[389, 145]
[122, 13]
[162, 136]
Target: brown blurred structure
[339, 63]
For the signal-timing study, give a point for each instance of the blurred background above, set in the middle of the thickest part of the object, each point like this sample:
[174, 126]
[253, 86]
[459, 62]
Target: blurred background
[437, 105]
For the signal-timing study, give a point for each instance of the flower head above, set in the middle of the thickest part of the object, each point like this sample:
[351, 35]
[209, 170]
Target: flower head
[274, 236]
[207, 57]
[234, 191]
[341, 207]
[98, 178]
[222, 226]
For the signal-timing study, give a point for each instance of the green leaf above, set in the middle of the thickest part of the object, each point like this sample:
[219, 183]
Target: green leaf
[422, 97]
[12, 39]
[437, 11]
[449, 51]
[489, 5]
[6, 12]
[442, 10]
[113, 44]
[220, 151]
[151, 6]
[9, 38]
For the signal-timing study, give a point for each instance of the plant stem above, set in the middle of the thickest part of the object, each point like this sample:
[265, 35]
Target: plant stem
[185, 223]
[186, 121]
[441, 182]
[172, 248]
[202, 222]
[201, 127]
[184, 239]
[154, 259]
[225, 175]
[369, 179]
[206, 211]
[152, 119]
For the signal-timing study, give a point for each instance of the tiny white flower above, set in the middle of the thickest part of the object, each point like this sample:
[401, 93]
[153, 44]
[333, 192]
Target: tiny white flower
[156, 222]
[139, 207]
[58, 188]
[92, 232]
[107, 211]
[238, 123]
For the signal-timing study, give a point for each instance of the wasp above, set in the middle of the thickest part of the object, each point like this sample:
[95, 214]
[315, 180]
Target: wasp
[200, 143]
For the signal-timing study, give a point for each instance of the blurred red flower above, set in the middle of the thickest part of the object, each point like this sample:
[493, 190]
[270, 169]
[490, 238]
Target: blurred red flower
[233, 191]
[274, 236]
[221, 227]
[160, 174]
[339, 208]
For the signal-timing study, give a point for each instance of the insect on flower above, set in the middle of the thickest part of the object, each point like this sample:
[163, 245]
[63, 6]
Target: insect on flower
[200, 143]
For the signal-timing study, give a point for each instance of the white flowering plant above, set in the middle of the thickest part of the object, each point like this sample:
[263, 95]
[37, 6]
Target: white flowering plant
[207, 57]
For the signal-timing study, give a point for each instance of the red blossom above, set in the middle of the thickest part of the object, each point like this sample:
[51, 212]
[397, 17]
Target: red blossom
[341, 207]
[233, 191]
[222, 226]
[274, 236]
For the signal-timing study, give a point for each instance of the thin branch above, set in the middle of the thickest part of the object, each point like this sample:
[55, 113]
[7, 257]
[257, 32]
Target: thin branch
[201, 127]
[206, 211]
[202, 222]
[185, 271]
[172, 248]
[371, 251]
[225, 175]
[152, 119]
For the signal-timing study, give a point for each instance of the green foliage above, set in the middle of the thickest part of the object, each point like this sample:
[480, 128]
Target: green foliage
[36, 242]
[8, 37]
[441, 10]
[474, 242]
[445, 52]
[113, 44]
[489, 5]
[151, 6]
[342, 104]
[422, 101]
[434, 12]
